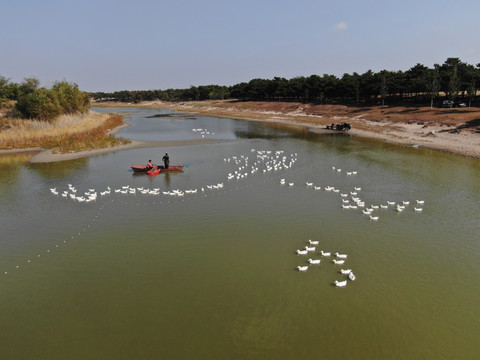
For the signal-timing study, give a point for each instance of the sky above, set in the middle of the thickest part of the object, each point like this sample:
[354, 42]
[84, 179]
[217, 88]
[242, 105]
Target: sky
[112, 45]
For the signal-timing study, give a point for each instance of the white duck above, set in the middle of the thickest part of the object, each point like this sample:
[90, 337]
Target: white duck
[302, 252]
[302, 268]
[341, 256]
[351, 276]
[312, 248]
[325, 253]
[374, 218]
[346, 272]
[314, 262]
[340, 283]
[417, 209]
[420, 201]
[338, 262]
[312, 242]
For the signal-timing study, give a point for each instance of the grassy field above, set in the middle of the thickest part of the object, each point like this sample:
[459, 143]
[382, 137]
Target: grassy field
[68, 133]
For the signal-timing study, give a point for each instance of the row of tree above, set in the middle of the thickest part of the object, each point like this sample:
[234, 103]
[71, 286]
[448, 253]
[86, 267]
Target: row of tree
[453, 80]
[35, 102]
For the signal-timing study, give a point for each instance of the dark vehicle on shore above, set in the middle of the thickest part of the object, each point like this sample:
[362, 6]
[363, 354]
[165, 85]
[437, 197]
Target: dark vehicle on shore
[340, 127]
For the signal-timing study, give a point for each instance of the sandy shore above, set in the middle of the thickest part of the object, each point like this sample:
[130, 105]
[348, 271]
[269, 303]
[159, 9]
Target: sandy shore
[455, 131]
[48, 156]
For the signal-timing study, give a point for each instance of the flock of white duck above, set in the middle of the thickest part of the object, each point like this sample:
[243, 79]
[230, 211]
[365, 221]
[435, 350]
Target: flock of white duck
[203, 132]
[339, 260]
[262, 161]
[265, 160]
[92, 195]
[351, 200]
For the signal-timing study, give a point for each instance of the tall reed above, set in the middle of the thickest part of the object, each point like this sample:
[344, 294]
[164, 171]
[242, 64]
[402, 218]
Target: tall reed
[68, 133]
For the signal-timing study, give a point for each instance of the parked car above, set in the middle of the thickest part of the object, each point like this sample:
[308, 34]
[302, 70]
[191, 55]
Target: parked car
[448, 103]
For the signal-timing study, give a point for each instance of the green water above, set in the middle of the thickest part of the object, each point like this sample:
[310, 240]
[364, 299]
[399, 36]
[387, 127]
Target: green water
[212, 275]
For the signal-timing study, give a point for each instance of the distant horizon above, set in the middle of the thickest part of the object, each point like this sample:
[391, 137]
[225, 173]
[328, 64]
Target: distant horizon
[107, 46]
[245, 81]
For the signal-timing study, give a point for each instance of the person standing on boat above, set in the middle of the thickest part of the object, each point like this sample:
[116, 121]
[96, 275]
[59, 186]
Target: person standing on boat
[166, 160]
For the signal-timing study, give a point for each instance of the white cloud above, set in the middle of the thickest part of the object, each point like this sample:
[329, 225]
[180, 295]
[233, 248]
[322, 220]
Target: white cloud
[341, 26]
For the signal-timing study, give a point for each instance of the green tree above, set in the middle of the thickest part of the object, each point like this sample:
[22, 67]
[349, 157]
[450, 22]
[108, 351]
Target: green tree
[472, 92]
[454, 84]
[70, 98]
[29, 85]
[383, 86]
[41, 104]
[433, 84]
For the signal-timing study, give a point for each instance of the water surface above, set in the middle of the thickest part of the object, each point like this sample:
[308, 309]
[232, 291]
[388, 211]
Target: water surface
[212, 274]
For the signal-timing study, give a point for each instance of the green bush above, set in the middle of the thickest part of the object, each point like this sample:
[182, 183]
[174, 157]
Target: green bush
[41, 104]
[46, 104]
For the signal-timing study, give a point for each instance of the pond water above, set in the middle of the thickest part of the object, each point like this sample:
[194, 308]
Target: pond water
[212, 274]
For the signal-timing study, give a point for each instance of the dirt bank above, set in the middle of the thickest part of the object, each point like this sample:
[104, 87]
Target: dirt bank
[455, 131]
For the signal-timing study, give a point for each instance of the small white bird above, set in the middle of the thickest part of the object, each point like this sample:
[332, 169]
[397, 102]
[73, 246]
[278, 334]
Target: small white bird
[346, 272]
[309, 184]
[374, 218]
[313, 262]
[341, 256]
[357, 188]
[391, 202]
[340, 283]
[312, 242]
[351, 276]
[325, 253]
[312, 248]
[302, 268]
[417, 209]
[338, 262]
[302, 252]
[420, 201]
[405, 202]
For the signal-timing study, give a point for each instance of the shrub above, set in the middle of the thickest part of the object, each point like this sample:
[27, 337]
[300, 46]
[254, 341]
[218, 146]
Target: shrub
[46, 104]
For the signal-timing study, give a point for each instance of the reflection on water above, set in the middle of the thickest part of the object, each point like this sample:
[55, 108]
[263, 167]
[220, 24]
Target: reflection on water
[212, 274]
[54, 171]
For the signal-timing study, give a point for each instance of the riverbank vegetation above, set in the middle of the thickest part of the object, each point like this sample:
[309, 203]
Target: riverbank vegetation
[454, 81]
[30, 101]
[56, 118]
[68, 133]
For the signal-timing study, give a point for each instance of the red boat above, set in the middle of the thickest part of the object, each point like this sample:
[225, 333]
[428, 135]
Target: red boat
[157, 170]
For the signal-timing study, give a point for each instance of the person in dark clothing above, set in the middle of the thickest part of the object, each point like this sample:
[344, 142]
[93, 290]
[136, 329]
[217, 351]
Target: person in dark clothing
[166, 160]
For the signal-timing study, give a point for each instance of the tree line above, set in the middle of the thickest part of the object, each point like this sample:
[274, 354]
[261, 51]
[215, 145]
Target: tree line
[40, 103]
[453, 80]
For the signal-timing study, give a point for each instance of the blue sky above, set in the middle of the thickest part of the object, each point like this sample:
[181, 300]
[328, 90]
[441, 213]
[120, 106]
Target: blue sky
[107, 45]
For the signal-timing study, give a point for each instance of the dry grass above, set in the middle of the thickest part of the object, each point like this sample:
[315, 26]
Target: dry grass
[68, 133]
